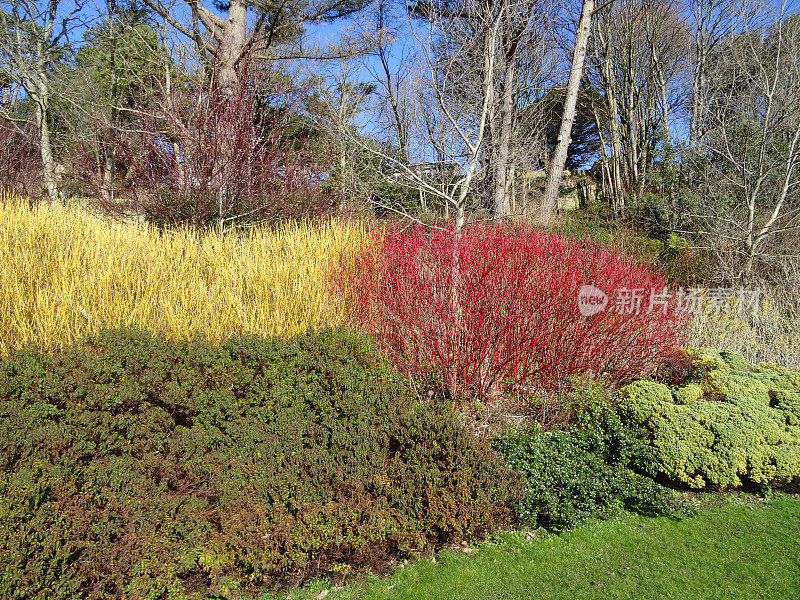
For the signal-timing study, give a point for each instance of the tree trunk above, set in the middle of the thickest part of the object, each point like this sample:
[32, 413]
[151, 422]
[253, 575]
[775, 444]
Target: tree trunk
[232, 46]
[45, 146]
[698, 91]
[500, 202]
[615, 166]
[109, 148]
[489, 61]
[573, 85]
[108, 174]
[631, 132]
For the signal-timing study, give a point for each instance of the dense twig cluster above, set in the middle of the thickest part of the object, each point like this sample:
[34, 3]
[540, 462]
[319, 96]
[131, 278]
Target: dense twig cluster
[496, 309]
[214, 157]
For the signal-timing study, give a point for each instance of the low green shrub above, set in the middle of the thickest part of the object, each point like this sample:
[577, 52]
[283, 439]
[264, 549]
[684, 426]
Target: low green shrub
[726, 425]
[688, 393]
[574, 475]
[132, 467]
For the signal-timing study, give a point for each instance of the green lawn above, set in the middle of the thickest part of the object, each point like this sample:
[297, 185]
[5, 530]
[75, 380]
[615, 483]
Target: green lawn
[739, 549]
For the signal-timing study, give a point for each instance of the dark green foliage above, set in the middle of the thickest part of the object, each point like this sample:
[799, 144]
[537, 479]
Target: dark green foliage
[574, 475]
[725, 424]
[584, 142]
[131, 467]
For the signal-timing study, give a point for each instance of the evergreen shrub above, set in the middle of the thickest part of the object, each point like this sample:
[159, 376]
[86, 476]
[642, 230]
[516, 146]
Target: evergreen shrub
[133, 467]
[727, 424]
[594, 470]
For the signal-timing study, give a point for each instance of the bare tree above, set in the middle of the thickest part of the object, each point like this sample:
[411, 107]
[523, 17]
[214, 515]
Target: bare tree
[121, 68]
[34, 38]
[639, 49]
[340, 99]
[228, 40]
[525, 40]
[465, 109]
[713, 22]
[752, 115]
[454, 98]
[459, 109]
[392, 75]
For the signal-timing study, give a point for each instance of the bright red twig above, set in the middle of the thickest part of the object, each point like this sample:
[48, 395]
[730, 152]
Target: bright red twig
[495, 309]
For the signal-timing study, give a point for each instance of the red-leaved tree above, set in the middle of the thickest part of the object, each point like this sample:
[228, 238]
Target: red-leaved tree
[495, 309]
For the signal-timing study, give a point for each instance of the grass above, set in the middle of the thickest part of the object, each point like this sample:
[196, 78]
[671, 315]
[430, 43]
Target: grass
[739, 549]
[65, 273]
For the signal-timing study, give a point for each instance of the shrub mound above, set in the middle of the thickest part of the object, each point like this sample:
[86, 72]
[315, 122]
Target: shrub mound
[586, 472]
[492, 309]
[132, 467]
[725, 424]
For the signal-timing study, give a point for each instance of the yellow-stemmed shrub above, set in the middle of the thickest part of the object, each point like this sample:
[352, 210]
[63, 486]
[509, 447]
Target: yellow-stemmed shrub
[65, 273]
[770, 333]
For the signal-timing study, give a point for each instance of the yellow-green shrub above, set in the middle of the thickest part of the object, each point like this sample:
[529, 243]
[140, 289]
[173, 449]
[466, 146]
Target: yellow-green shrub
[728, 427]
[65, 273]
[688, 393]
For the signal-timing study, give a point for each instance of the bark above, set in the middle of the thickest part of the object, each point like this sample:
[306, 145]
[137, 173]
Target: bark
[46, 149]
[500, 203]
[570, 102]
[664, 106]
[233, 44]
[604, 160]
[40, 92]
[108, 174]
[616, 166]
[661, 82]
[109, 148]
[489, 61]
[698, 87]
[229, 33]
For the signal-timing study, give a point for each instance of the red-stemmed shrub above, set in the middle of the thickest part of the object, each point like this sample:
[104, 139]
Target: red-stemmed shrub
[496, 309]
[20, 163]
[212, 156]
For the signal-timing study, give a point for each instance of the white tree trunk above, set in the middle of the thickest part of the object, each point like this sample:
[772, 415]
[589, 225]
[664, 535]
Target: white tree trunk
[570, 102]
